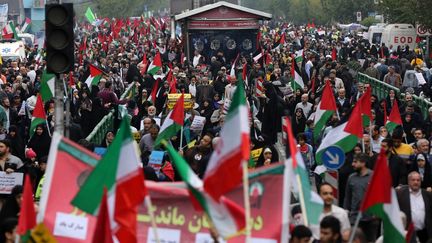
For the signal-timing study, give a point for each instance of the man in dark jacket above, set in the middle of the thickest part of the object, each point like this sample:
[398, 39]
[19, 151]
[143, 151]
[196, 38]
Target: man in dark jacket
[398, 169]
[416, 203]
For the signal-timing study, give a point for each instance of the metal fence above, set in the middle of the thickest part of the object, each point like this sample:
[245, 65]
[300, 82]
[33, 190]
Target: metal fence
[382, 89]
[107, 122]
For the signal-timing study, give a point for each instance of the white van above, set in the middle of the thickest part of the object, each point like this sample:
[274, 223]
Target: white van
[12, 49]
[395, 35]
[375, 33]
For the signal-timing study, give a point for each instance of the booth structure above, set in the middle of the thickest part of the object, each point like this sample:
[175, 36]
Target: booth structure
[220, 27]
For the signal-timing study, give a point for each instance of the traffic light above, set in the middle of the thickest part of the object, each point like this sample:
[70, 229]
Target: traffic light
[59, 37]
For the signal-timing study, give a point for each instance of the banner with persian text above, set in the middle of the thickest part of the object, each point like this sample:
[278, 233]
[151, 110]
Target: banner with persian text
[178, 221]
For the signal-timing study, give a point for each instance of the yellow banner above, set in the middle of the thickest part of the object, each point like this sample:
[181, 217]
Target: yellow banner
[173, 98]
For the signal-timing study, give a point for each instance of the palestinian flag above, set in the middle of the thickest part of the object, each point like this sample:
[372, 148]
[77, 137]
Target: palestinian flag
[155, 65]
[153, 94]
[27, 216]
[281, 42]
[38, 116]
[94, 76]
[173, 122]
[47, 86]
[120, 172]
[326, 108]
[381, 201]
[366, 105]
[312, 204]
[345, 136]
[299, 56]
[26, 25]
[394, 118]
[297, 80]
[227, 217]
[233, 149]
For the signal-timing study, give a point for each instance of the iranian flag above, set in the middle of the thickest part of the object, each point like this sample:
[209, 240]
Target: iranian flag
[394, 118]
[310, 201]
[232, 71]
[47, 86]
[26, 25]
[232, 150]
[297, 80]
[345, 136]
[155, 65]
[9, 31]
[94, 76]
[227, 217]
[173, 122]
[120, 172]
[244, 74]
[381, 201]
[324, 111]
[27, 216]
[103, 233]
[38, 116]
[366, 105]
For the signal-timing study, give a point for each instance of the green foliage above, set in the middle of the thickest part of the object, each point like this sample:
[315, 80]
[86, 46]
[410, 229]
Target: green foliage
[407, 11]
[369, 21]
[125, 8]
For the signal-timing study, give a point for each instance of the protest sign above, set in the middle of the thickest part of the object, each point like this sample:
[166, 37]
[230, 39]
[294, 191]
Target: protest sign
[173, 98]
[155, 160]
[68, 167]
[420, 78]
[9, 181]
[256, 153]
[198, 123]
[178, 221]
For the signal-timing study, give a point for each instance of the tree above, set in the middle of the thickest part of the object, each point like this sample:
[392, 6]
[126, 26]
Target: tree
[344, 11]
[407, 11]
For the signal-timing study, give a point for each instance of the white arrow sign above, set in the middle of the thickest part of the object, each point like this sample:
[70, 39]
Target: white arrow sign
[334, 159]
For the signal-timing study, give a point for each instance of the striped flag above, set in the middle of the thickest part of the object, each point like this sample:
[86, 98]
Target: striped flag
[227, 217]
[381, 200]
[120, 172]
[312, 204]
[26, 25]
[233, 149]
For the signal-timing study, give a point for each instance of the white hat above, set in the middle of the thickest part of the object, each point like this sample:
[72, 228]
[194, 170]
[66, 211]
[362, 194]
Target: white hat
[267, 150]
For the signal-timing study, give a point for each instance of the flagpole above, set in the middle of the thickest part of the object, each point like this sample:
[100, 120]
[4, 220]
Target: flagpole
[302, 202]
[354, 228]
[48, 128]
[246, 201]
[213, 231]
[181, 138]
[152, 217]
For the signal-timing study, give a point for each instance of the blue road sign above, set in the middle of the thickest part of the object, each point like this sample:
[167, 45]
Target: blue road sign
[333, 157]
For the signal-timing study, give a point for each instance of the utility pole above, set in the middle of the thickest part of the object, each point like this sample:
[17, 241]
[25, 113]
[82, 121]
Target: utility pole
[59, 105]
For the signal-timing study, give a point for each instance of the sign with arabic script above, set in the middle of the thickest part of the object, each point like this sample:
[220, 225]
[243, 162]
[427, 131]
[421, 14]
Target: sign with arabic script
[176, 214]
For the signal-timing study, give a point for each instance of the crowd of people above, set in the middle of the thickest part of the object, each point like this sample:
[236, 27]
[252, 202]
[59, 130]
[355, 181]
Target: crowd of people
[271, 94]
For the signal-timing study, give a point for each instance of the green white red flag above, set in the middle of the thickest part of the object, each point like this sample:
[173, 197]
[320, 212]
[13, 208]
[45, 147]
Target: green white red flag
[121, 173]
[232, 150]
